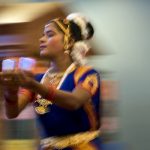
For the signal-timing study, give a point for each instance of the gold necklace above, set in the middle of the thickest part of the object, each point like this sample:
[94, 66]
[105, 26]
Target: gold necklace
[42, 104]
[55, 78]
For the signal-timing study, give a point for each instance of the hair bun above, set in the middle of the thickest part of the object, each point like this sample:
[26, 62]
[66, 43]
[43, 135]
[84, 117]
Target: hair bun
[85, 26]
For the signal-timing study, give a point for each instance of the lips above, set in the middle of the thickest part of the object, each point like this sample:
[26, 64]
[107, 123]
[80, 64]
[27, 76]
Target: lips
[42, 47]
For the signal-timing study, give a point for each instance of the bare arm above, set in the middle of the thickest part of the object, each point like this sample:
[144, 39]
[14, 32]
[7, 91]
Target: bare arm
[69, 100]
[82, 93]
[73, 100]
[15, 103]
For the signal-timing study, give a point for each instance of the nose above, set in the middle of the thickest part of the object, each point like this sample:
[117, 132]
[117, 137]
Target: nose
[42, 39]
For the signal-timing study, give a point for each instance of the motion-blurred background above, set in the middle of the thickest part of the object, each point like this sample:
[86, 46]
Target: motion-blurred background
[120, 52]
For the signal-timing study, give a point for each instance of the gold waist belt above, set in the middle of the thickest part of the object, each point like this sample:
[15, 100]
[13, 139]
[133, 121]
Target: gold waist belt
[70, 140]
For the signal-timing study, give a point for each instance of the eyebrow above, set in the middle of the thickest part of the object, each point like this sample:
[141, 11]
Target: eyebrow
[49, 31]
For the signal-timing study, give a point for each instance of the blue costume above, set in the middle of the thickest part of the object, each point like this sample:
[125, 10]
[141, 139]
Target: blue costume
[60, 122]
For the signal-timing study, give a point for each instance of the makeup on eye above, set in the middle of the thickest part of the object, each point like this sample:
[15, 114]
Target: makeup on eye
[49, 33]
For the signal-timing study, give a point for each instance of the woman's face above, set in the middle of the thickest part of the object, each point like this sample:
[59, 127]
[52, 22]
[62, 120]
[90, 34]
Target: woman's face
[51, 43]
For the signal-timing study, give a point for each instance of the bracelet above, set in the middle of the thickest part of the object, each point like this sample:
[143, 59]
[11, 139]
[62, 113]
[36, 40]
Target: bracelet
[52, 93]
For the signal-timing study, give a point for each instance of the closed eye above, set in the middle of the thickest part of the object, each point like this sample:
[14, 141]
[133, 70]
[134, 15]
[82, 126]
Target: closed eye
[50, 33]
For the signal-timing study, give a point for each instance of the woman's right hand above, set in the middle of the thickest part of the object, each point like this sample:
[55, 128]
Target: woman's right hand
[16, 78]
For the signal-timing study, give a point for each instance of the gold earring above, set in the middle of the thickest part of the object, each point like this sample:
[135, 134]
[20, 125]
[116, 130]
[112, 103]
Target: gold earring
[67, 52]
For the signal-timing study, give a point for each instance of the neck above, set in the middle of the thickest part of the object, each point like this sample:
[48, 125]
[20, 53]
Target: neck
[60, 64]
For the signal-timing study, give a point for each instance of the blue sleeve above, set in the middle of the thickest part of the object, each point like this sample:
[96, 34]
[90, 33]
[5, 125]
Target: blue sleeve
[90, 81]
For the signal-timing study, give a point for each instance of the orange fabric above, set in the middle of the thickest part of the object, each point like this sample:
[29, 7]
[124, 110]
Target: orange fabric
[88, 107]
[79, 72]
[90, 83]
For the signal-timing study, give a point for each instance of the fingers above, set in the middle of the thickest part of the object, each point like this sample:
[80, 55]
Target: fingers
[8, 78]
[27, 73]
[16, 78]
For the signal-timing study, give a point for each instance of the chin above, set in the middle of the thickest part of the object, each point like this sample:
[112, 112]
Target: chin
[44, 54]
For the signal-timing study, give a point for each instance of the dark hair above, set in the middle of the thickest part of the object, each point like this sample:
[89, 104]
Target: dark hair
[90, 30]
[76, 31]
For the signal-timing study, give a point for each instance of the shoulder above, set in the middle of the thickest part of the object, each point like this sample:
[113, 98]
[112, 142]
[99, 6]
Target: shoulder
[83, 71]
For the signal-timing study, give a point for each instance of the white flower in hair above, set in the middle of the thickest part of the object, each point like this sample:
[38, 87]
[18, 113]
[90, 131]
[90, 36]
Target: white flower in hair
[79, 51]
[81, 21]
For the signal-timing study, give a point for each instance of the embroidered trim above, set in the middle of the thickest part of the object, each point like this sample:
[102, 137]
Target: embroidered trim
[70, 140]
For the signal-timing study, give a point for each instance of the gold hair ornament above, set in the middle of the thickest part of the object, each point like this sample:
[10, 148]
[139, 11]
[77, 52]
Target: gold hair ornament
[68, 40]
